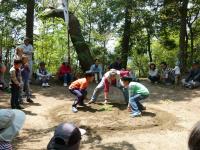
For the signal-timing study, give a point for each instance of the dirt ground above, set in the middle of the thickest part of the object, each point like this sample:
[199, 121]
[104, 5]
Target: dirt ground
[165, 125]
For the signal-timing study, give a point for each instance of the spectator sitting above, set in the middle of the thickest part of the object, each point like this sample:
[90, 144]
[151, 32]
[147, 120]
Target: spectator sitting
[64, 73]
[10, 124]
[194, 139]
[153, 73]
[116, 65]
[43, 75]
[167, 75]
[96, 68]
[3, 84]
[66, 137]
[193, 79]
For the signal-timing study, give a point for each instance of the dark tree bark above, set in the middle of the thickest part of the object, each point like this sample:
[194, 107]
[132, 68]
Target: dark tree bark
[82, 49]
[191, 44]
[183, 34]
[30, 19]
[126, 35]
[149, 47]
[190, 24]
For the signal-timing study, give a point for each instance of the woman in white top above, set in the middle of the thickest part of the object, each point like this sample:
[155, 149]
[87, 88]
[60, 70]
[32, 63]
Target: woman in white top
[153, 73]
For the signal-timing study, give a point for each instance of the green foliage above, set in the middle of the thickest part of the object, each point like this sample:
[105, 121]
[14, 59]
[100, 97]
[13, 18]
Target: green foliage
[51, 44]
[155, 28]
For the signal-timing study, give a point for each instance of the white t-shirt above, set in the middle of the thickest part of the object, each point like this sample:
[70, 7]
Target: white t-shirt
[153, 73]
[177, 70]
[28, 50]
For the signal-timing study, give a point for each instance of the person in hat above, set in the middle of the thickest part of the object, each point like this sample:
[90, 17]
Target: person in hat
[11, 121]
[153, 73]
[16, 84]
[64, 73]
[137, 92]
[79, 89]
[28, 50]
[193, 78]
[194, 138]
[112, 77]
[66, 137]
[43, 75]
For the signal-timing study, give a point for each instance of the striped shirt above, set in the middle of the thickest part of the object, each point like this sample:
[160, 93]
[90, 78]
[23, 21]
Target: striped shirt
[5, 146]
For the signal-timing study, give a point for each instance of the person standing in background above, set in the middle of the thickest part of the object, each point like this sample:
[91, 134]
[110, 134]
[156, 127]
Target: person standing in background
[28, 50]
[96, 68]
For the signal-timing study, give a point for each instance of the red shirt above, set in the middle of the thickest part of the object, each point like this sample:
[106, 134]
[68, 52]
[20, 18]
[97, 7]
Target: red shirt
[64, 70]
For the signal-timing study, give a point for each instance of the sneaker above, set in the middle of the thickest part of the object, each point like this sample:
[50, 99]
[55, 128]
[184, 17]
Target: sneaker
[74, 109]
[105, 101]
[138, 114]
[43, 84]
[19, 107]
[65, 84]
[29, 100]
[47, 85]
[91, 101]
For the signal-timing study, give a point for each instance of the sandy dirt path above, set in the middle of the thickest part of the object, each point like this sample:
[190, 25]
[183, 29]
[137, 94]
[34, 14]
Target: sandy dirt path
[170, 115]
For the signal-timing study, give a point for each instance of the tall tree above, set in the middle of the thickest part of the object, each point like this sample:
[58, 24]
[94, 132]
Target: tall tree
[126, 33]
[30, 19]
[82, 49]
[183, 34]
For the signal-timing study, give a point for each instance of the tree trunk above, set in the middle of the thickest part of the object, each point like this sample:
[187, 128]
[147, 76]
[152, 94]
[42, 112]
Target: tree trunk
[82, 49]
[126, 36]
[191, 43]
[149, 47]
[182, 38]
[30, 19]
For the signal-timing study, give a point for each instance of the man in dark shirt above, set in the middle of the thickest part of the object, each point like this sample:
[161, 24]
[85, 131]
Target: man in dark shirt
[193, 79]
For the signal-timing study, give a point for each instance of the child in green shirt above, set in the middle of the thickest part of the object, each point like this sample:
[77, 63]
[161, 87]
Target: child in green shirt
[137, 92]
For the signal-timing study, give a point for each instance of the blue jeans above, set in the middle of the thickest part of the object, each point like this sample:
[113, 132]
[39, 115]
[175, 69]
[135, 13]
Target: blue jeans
[15, 93]
[66, 78]
[80, 96]
[135, 104]
[26, 88]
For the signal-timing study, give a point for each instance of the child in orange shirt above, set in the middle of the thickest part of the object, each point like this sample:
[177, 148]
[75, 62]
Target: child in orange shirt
[78, 88]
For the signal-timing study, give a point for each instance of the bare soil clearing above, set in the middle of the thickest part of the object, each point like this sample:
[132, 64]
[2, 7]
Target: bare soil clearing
[170, 115]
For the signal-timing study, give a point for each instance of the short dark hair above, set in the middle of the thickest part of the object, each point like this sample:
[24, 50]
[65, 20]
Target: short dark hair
[129, 79]
[194, 139]
[42, 63]
[17, 61]
[163, 63]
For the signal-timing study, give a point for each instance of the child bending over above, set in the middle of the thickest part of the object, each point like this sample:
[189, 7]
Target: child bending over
[78, 88]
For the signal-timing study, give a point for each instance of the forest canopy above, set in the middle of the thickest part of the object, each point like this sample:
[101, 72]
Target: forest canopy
[137, 32]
